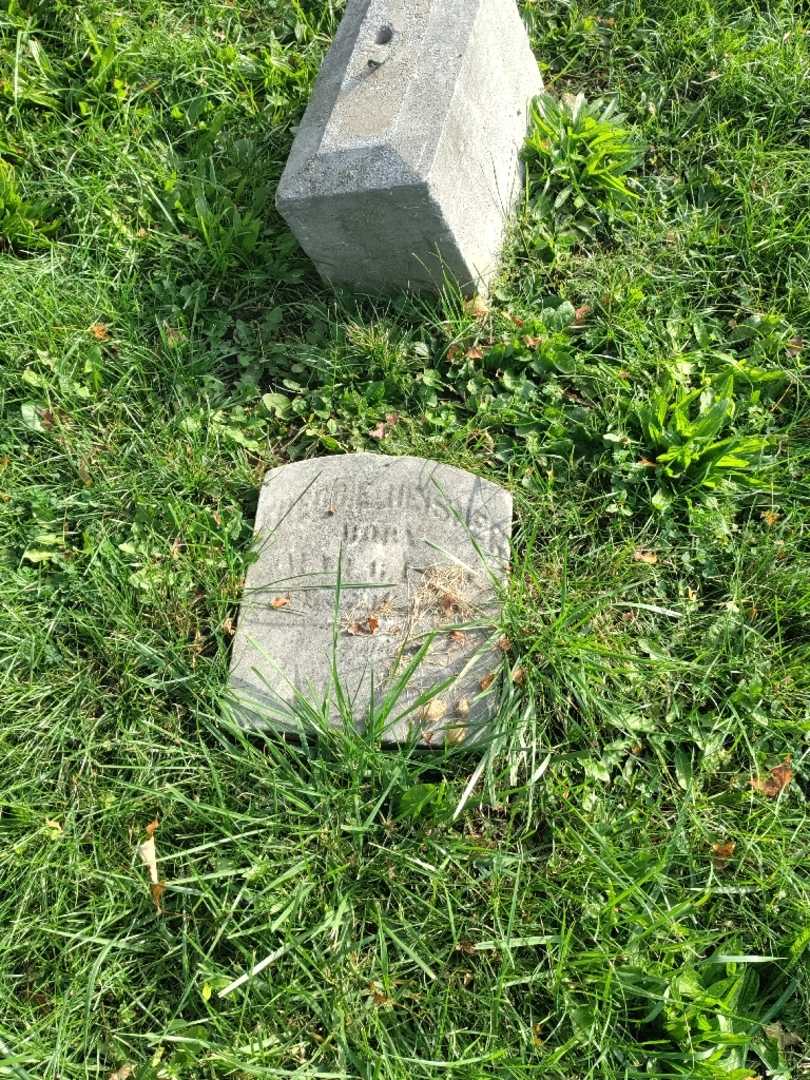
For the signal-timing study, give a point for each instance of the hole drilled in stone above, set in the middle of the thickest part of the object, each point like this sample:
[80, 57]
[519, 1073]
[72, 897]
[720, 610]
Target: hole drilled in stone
[385, 35]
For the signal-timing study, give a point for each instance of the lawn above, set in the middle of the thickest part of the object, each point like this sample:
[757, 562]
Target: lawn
[619, 886]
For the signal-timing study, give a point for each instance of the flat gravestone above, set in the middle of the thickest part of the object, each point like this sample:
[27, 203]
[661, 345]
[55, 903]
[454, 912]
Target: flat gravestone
[373, 599]
[406, 165]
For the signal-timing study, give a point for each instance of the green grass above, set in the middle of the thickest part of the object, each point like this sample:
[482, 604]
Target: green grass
[576, 918]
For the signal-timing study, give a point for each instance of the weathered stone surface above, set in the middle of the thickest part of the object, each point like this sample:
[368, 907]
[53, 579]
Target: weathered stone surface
[406, 164]
[419, 549]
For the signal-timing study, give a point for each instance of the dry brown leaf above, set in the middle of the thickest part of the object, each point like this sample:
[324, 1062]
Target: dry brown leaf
[124, 1073]
[785, 1039]
[453, 352]
[515, 319]
[279, 602]
[367, 627]
[448, 603]
[487, 680]
[504, 644]
[100, 331]
[646, 463]
[458, 637]
[379, 997]
[722, 852]
[532, 342]
[649, 557]
[148, 854]
[582, 313]
[228, 626]
[434, 711]
[153, 827]
[519, 676]
[462, 708]
[477, 307]
[776, 781]
[384, 426]
[475, 353]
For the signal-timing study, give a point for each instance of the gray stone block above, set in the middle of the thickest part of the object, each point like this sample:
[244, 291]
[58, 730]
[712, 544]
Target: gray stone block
[363, 561]
[406, 165]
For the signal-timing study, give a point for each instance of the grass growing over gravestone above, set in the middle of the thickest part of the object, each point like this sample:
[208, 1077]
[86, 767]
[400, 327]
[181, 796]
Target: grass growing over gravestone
[615, 898]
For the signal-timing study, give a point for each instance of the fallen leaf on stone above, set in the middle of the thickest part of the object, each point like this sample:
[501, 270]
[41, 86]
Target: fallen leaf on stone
[367, 627]
[649, 557]
[449, 603]
[722, 852]
[487, 681]
[458, 637]
[434, 710]
[279, 602]
[776, 781]
[462, 707]
[456, 735]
